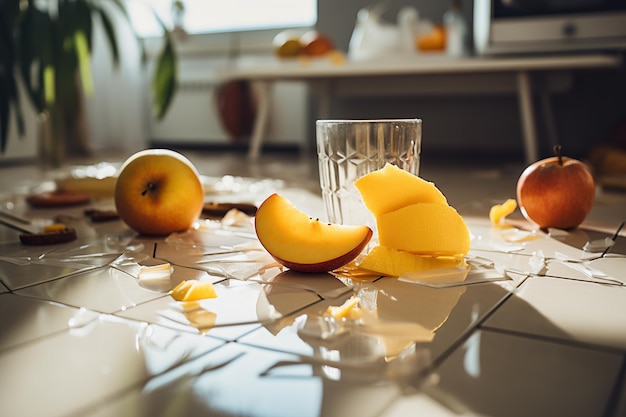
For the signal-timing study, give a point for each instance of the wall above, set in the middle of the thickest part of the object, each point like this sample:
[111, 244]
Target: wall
[194, 121]
[21, 147]
[584, 116]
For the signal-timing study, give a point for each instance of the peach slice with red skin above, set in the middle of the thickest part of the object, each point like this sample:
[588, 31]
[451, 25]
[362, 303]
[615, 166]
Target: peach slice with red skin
[303, 243]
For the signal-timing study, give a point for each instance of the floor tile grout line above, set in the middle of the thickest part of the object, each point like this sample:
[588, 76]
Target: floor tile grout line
[437, 362]
[71, 274]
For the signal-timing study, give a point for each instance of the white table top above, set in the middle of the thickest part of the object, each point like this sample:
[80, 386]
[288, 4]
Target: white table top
[271, 68]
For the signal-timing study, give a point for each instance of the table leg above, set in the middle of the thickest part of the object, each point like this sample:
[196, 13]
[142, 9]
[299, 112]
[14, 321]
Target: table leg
[527, 116]
[263, 90]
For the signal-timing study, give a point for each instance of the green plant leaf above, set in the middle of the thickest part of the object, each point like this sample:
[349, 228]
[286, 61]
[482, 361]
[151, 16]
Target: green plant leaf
[8, 16]
[164, 82]
[8, 100]
[49, 85]
[35, 38]
[4, 113]
[84, 61]
[50, 49]
[72, 51]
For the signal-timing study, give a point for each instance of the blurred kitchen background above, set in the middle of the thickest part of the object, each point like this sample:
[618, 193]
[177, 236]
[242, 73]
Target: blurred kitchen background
[211, 34]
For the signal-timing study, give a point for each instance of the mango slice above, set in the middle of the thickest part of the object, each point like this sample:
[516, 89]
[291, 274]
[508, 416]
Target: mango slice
[193, 290]
[392, 188]
[499, 211]
[393, 262]
[425, 228]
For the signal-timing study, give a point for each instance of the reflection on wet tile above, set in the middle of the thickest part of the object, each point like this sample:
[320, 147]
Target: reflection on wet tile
[394, 320]
[324, 285]
[567, 309]
[149, 312]
[70, 370]
[105, 290]
[238, 303]
[22, 266]
[23, 319]
[408, 404]
[212, 385]
[501, 374]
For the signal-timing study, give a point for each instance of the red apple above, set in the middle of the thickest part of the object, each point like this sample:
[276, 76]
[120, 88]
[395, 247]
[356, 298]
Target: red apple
[315, 44]
[556, 192]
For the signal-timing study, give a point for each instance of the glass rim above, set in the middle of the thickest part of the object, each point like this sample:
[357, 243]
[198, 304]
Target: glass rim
[369, 121]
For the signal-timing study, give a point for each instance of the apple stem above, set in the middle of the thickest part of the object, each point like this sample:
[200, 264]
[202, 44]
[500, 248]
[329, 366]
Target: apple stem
[557, 153]
[149, 188]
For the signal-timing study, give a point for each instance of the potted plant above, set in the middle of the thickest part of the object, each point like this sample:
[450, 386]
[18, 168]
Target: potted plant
[48, 45]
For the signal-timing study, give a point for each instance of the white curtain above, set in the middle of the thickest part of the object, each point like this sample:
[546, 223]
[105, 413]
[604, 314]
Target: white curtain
[118, 110]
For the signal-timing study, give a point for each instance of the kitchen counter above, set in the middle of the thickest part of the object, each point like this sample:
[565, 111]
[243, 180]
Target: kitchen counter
[538, 327]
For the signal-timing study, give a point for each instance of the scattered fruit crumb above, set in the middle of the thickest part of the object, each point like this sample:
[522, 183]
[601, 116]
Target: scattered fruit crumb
[54, 228]
[155, 272]
[193, 290]
[349, 309]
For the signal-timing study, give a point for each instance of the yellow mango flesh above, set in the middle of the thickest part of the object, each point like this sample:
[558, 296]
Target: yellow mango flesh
[193, 290]
[500, 211]
[425, 228]
[55, 227]
[348, 308]
[200, 291]
[393, 262]
[392, 188]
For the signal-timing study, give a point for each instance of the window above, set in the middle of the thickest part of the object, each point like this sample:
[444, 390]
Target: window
[210, 16]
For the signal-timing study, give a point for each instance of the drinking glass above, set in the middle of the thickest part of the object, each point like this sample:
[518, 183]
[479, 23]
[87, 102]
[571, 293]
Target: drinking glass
[349, 149]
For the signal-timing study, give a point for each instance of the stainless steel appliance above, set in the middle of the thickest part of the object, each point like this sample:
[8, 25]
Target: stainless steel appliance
[535, 26]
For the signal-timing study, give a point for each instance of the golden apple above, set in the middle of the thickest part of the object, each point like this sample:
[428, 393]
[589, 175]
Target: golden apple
[305, 244]
[556, 192]
[286, 44]
[158, 192]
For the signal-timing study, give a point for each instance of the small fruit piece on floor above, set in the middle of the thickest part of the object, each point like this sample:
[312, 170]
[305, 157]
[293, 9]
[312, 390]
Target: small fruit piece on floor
[499, 211]
[347, 309]
[193, 290]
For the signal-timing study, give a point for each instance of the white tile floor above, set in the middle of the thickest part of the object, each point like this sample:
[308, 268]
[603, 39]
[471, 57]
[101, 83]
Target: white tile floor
[82, 335]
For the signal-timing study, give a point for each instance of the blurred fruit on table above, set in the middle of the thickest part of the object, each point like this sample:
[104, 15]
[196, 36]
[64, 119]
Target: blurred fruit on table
[433, 41]
[286, 44]
[291, 44]
[314, 43]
